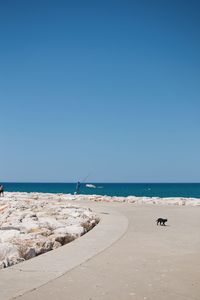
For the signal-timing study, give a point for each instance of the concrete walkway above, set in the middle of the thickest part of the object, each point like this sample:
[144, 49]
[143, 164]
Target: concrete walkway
[115, 261]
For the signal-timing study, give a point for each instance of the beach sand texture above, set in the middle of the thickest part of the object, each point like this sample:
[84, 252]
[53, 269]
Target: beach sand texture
[146, 261]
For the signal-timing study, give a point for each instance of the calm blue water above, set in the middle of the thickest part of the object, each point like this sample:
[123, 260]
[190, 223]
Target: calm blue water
[112, 189]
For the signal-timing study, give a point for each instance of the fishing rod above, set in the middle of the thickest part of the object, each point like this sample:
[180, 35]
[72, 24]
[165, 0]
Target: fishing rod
[84, 180]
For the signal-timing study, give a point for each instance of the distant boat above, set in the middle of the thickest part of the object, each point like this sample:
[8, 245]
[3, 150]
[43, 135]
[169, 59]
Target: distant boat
[91, 186]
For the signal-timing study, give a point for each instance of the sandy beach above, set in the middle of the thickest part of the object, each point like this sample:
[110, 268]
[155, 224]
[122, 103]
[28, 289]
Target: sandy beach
[126, 256]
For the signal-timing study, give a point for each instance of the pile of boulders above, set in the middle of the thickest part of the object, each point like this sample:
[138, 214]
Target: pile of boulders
[33, 226]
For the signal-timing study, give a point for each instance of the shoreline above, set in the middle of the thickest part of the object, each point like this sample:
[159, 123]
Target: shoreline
[180, 201]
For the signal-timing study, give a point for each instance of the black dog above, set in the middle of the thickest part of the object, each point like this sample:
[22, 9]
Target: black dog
[161, 221]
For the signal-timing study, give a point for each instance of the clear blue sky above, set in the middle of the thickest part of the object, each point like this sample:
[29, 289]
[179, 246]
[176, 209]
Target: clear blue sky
[110, 88]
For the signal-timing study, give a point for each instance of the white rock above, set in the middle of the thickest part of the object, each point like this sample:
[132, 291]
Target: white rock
[72, 230]
[7, 235]
[50, 223]
[8, 250]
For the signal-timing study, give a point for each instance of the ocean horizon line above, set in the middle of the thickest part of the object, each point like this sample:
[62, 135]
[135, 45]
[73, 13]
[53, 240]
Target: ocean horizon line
[105, 182]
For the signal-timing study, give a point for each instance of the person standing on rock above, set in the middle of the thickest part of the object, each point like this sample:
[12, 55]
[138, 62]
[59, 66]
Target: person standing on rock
[78, 185]
[1, 190]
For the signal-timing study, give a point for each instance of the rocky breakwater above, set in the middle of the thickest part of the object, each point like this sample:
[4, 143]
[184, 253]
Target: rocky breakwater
[32, 224]
[179, 201]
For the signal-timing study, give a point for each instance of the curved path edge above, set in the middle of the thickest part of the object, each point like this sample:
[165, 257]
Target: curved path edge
[32, 274]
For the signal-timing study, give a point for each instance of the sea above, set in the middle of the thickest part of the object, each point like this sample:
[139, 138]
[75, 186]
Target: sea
[188, 190]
